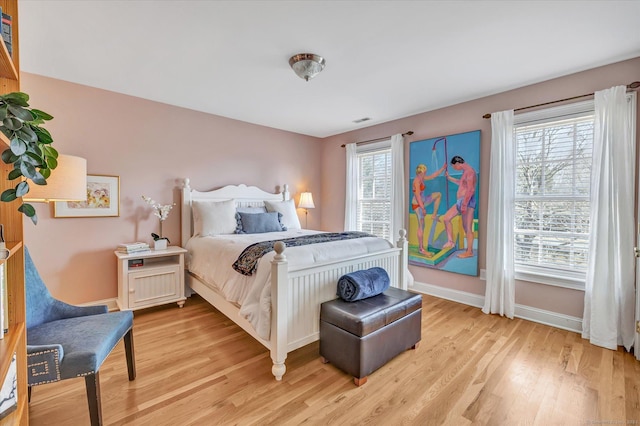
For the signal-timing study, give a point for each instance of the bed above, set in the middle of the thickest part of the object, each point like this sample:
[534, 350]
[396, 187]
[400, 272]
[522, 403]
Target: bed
[296, 279]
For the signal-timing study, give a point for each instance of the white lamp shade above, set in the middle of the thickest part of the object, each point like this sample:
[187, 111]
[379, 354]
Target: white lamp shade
[68, 182]
[306, 201]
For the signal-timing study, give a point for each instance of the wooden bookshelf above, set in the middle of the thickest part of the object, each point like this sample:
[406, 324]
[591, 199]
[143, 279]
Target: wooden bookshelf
[15, 339]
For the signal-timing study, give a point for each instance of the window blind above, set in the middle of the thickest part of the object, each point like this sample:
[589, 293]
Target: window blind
[552, 207]
[373, 211]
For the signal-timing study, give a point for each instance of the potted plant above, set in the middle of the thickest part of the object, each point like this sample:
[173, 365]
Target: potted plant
[30, 151]
[161, 212]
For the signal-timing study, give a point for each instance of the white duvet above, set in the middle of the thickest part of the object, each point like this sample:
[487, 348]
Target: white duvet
[210, 259]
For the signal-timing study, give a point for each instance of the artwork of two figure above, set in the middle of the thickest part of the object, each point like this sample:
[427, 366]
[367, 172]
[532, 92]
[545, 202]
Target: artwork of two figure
[443, 206]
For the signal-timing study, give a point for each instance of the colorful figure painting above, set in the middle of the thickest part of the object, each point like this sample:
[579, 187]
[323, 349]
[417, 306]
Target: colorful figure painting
[443, 209]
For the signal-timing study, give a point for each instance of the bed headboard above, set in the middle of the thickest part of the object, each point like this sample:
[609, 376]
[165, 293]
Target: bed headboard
[245, 196]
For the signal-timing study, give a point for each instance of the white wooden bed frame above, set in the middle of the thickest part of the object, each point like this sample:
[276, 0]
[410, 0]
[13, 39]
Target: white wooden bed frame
[297, 292]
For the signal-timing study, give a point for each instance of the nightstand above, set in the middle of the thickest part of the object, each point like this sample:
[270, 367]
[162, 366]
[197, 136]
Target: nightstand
[151, 278]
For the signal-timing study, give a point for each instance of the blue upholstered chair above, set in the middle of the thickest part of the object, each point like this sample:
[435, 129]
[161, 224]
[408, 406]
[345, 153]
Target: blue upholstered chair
[65, 341]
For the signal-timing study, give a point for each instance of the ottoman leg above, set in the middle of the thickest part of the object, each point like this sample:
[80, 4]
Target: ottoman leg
[415, 346]
[324, 360]
[360, 381]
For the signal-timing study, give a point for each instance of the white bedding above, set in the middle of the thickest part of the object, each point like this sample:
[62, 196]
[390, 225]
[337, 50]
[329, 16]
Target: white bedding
[210, 259]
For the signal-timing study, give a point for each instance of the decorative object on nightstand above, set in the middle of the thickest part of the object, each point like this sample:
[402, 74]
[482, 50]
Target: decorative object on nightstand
[306, 203]
[128, 248]
[150, 278]
[161, 211]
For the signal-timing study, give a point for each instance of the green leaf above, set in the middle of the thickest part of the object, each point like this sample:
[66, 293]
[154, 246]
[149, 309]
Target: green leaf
[52, 162]
[12, 123]
[41, 114]
[35, 149]
[3, 112]
[43, 135]
[8, 133]
[8, 195]
[21, 113]
[39, 179]
[29, 211]
[8, 157]
[34, 159]
[49, 151]
[18, 146]
[16, 98]
[22, 188]
[14, 174]
[28, 135]
[45, 173]
[28, 170]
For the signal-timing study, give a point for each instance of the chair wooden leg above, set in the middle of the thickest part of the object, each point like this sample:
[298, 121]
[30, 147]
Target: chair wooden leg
[131, 359]
[92, 382]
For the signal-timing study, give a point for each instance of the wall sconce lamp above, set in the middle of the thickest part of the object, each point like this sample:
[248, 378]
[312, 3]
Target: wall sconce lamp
[68, 182]
[306, 203]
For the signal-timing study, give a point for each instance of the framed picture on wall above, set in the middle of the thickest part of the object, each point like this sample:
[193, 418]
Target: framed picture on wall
[103, 199]
[443, 208]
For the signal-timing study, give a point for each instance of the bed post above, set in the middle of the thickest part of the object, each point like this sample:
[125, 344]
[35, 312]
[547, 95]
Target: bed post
[403, 245]
[279, 310]
[185, 213]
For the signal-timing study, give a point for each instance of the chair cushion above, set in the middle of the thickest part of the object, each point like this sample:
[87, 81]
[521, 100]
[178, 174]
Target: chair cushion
[86, 341]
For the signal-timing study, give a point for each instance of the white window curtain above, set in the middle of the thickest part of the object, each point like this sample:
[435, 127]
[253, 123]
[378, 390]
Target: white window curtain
[351, 191]
[500, 285]
[397, 186]
[609, 301]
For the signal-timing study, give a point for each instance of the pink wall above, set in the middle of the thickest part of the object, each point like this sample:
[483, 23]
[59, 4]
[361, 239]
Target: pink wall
[151, 146]
[462, 118]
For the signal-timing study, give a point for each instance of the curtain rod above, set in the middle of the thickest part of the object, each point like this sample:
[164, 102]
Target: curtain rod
[409, 133]
[630, 86]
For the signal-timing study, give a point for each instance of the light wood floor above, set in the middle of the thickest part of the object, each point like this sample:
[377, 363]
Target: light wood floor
[195, 367]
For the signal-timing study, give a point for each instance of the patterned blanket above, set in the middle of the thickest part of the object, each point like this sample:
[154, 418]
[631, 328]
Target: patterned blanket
[247, 262]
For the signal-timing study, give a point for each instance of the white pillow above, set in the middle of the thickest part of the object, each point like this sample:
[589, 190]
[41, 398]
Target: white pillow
[214, 217]
[288, 210]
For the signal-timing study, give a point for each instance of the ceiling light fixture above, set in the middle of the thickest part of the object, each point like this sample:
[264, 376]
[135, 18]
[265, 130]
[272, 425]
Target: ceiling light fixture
[307, 65]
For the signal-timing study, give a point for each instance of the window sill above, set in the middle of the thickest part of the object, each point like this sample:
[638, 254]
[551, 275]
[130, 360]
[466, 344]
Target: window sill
[554, 280]
[547, 279]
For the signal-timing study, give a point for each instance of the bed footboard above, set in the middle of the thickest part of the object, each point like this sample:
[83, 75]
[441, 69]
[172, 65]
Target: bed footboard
[296, 295]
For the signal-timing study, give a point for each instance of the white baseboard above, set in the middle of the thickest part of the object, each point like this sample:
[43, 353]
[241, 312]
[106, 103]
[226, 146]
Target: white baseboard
[111, 304]
[528, 313]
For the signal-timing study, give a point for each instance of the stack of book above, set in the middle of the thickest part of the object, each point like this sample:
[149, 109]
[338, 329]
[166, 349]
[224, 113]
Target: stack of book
[133, 247]
[5, 29]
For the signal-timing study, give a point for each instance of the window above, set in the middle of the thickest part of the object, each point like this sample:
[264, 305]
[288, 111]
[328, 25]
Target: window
[373, 203]
[552, 207]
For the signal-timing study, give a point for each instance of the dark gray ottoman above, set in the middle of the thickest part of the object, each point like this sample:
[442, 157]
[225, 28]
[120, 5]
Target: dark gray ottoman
[360, 337]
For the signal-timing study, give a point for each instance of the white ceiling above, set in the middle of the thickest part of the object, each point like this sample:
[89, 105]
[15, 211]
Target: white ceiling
[385, 59]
